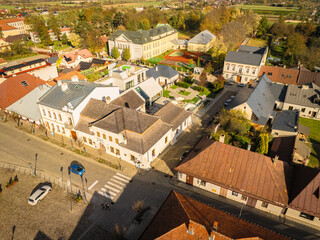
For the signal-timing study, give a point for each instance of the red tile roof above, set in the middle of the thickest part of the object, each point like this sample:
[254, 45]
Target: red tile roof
[279, 74]
[11, 90]
[4, 23]
[69, 75]
[180, 213]
[85, 53]
[239, 170]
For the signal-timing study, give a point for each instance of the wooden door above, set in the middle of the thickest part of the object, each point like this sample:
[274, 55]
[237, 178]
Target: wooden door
[223, 192]
[238, 79]
[189, 180]
[252, 202]
[74, 135]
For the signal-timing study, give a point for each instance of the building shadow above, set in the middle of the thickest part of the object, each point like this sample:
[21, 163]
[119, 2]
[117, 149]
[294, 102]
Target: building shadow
[41, 236]
[316, 147]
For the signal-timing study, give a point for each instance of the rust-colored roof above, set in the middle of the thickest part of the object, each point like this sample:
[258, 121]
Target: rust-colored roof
[306, 77]
[283, 147]
[69, 75]
[305, 192]
[240, 170]
[4, 23]
[2, 61]
[12, 89]
[85, 53]
[179, 213]
[104, 39]
[280, 75]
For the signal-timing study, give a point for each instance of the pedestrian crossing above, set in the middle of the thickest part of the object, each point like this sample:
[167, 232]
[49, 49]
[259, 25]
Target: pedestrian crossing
[114, 186]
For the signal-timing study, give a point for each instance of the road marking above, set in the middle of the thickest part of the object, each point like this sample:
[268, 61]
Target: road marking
[121, 175]
[121, 183]
[115, 185]
[93, 184]
[113, 189]
[108, 192]
[121, 179]
[105, 195]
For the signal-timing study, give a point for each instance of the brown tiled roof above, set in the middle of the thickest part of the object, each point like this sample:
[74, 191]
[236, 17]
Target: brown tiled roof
[239, 170]
[283, 147]
[305, 192]
[280, 75]
[4, 23]
[130, 99]
[173, 114]
[85, 53]
[141, 130]
[12, 89]
[306, 77]
[69, 75]
[179, 213]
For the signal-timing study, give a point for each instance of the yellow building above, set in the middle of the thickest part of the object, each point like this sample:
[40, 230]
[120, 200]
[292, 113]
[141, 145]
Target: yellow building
[13, 27]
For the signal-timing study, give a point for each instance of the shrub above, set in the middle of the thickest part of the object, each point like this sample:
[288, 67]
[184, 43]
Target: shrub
[183, 84]
[188, 80]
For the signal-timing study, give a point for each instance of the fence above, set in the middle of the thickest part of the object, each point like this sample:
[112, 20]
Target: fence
[72, 189]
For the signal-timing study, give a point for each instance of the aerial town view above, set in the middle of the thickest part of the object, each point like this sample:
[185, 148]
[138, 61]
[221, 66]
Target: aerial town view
[159, 119]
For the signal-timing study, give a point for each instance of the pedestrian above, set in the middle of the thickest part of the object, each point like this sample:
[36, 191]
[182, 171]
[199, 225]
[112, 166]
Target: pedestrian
[102, 206]
[107, 206]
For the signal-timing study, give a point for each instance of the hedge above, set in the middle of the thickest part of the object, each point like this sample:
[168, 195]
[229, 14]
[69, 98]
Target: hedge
[183, 84]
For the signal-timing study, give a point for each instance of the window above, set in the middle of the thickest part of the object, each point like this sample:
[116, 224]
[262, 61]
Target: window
[264, 204]
[54, 115]
[203, 183]
[269, 73]
[104, 136]
[49, 113]
[117, 140]
[117, 152]
[52, 127]
[84, 139]
[240, 70]
[307, 216]
[234, 193]
[290, 108]
[129, 84]
[63, 131]
[112, 149]
[303, 110]
[60, 118]
[228, 67]
[58, 128]
[70, 121]
[247, 70]
[44, 112]
[166, 140]
[309, 112]
[132, 157]
[153, 152]
[98, 134]
[233, 67]
[90, 141]
[110, 138]
[24, 83]
[254, 71]
[244, 198]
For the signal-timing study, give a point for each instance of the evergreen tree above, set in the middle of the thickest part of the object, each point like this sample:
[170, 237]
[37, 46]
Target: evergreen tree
[263, 27]
[64, 39]
[115, 53]
[126, 54]
[198, 62]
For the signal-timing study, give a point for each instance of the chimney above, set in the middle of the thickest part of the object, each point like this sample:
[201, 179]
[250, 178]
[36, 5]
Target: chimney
[59, 83]
[157, 68]
[222, 137]
[275, 159]
[75, 78]
[249, 147]
[64, 86]
[215, 225]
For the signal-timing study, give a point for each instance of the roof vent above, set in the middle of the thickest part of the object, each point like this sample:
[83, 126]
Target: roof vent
[75, 78]
[275, 159]
[305, 87]
[64, 86]
[190, 230]
[222, 137]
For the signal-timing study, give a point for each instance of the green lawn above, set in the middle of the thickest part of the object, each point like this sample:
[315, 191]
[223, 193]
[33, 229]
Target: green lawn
[260, 7]
[166, 93]
[58, 45]
[173, 86]
[205, 92]
[184, 93]
[257, 42]
[15, 57]
[314, 139]
[93, 77]
[193, 100]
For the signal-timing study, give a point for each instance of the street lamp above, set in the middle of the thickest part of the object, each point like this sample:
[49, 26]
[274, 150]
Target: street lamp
[35, 165]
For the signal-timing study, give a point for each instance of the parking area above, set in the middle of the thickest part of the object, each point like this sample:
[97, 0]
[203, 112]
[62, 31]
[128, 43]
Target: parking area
[54, 217]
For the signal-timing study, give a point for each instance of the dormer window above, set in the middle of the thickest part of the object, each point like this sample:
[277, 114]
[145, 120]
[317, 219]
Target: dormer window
[24, 84]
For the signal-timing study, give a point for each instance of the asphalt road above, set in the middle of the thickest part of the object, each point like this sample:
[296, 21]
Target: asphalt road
[19, 148]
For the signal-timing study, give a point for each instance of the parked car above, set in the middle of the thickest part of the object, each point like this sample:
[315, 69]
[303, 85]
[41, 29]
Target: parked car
[39, 194]
[228, 83]
[77, 169]
[240, 85]
[229, 100]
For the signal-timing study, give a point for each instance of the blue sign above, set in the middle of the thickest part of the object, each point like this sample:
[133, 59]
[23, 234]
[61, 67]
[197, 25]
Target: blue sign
[51, 133]
[139, 166]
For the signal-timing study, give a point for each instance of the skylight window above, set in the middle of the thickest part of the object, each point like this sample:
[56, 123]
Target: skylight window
[78, 86]
[24, 83]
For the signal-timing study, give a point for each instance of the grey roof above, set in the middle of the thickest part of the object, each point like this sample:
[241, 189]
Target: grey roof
[304, 129]
[260, 97]
[98, 61]
[162, 71]
[52, 60]
[252, 49]
[173, 114]
[303, 95]
[84, 65]
[303, 149]
[67, 70]
[27, 105]
[74, 94]
[24, 64]
[286, 121]
[129, 99]
[202, 38]
[180, 42]
[143, 36]
[243, 58]
[141, 130]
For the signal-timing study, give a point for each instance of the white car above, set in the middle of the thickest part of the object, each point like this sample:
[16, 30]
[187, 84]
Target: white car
[39, 194]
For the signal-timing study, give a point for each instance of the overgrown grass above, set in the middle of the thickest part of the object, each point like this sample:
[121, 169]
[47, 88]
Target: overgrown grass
[93, 77]
[257, 42]
[166, 93]
[314, 138]
[173, 86]
[193, 100]
[15, 57]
